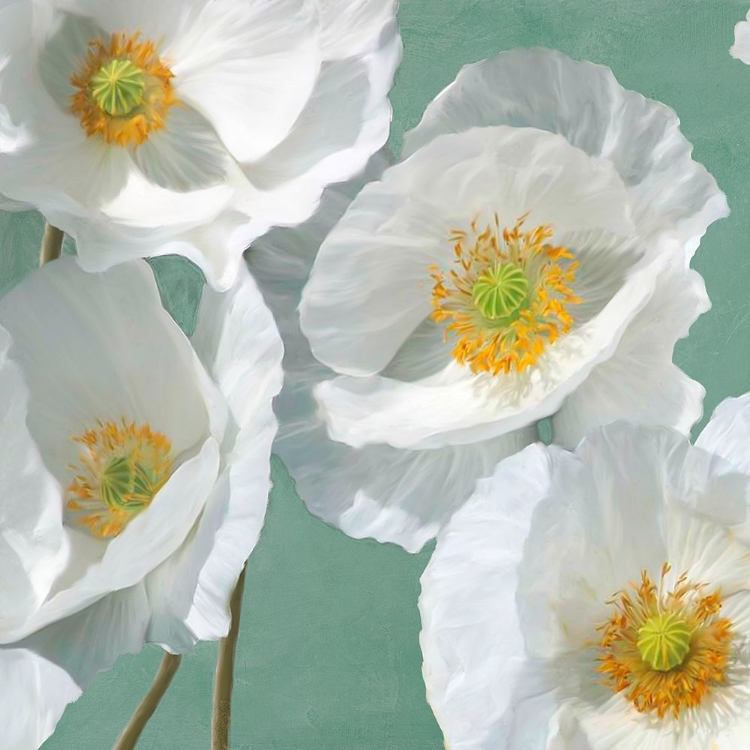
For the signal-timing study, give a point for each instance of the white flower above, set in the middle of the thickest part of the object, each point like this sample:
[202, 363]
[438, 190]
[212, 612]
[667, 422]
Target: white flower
[741, 47]
[572, 313]
[134, 474]
[145, 127]
[380, 491]
[598, 599]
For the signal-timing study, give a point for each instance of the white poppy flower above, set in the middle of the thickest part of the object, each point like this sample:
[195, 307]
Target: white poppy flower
[741, 47]
[379, 491]
[146, 128]
[499, 275]
[598, 599]
[134, 474]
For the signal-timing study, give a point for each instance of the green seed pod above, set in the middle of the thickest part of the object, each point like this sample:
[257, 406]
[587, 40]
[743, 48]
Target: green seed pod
[118, 88]
[500, 291]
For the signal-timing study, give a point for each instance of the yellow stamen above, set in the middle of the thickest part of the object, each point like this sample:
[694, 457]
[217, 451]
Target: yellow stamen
[506, 298]
[665, 651]
[119, 471]
[124, 90]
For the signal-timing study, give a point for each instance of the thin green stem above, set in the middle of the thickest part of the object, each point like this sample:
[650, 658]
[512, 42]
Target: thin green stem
[51, 244]
[167, 670]
[222, 715]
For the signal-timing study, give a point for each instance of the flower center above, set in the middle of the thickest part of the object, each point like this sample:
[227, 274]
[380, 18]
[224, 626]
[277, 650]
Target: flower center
[664, 641]
[119, 471]
[118, 87]
[506, 298]
[123, 90]
[500, 291]
[666, 651]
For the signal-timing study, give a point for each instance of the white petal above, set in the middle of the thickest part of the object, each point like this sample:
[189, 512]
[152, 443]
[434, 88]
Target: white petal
[161, 22]
[346, 120]
[54, 165]
[186, 155]
[727, 433]
[354, 27]
[373, 270]
[91, 640]
[237, 339]
[216, 246]
[389, 494]
[62, 53]
[33, 547]
[249, 68]
[6, 204]
[475, 669]
[584, 102]
[640, 382]
[741, 47]
[117, 353]
[49, 669]
[142, 207]
[35, 694]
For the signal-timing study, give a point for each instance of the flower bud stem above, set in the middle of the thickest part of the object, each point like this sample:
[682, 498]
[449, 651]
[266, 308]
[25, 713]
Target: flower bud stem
[225, 673]
[167, 670]
[51, 244]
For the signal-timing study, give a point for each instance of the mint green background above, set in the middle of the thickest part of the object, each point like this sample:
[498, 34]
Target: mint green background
[329, 656]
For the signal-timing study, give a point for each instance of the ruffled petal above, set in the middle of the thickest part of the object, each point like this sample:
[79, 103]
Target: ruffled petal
[727, 433]
[35, 694]
[48, 670]
[237, 340]
[33, 546]
[640, 382]
[353, 27]
[346, 120]
[478, 680]
[250, 69]
[389, 494]
[117, 353]
[741, 47]
[583, 102]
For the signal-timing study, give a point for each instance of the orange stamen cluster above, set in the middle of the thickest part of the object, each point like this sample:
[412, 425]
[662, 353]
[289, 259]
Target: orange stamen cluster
[158, 96]
[703, 668]
[120, 469]
[515, 342]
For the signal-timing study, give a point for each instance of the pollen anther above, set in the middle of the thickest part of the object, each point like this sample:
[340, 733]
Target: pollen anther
[120, 469]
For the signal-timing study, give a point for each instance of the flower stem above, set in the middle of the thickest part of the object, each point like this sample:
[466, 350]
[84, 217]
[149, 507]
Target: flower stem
[225, 673]
[167, 670]
[51, 244]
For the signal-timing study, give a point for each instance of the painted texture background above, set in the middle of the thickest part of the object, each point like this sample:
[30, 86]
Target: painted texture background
[329, 656]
